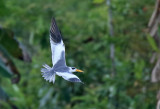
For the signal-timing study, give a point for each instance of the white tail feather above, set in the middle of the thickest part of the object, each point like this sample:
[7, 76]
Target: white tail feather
[47, 74]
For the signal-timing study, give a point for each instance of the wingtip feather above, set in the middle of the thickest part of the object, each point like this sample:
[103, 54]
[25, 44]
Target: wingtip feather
[55, 34]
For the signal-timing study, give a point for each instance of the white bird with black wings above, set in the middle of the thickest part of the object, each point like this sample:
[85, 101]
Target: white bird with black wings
[58, 59]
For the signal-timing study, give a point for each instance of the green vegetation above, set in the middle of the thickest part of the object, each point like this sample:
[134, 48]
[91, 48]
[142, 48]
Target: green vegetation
[24, 33]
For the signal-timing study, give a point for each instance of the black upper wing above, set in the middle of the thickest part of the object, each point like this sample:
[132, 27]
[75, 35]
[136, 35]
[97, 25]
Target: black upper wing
[55, 33]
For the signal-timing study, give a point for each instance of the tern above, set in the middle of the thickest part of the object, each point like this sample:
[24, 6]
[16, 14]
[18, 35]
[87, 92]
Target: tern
[58, 59]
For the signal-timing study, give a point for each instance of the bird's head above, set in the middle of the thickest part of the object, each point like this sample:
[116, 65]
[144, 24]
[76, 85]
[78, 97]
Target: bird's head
[73, 69]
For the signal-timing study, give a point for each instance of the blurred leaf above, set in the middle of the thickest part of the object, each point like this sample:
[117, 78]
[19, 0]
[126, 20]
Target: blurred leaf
[139, 67]
[3, 9]
[8, 41]
[5, 56]
[4, 53]
[5, 105]
[3, 95]
[45, 99]
[4, 70]
[98, 1]
[12, 46]
[152, 42]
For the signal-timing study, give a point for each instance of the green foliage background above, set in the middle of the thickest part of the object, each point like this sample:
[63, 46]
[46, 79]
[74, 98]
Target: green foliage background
[84, 25]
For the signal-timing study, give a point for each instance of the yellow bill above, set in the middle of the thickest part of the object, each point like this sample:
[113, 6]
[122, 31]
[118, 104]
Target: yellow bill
[79, 70]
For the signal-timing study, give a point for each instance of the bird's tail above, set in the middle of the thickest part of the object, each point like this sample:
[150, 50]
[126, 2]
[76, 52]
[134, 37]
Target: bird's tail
[47, 74]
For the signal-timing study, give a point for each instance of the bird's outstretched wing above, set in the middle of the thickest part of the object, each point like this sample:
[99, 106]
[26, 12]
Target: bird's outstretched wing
[57, 45]
[69, 76]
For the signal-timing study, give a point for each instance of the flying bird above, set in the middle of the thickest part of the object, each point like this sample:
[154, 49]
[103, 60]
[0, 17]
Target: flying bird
[58, 59]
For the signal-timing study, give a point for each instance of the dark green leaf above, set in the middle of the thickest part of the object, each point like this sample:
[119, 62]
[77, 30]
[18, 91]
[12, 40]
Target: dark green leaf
[4, 71]
[3, 95]
[8, 41]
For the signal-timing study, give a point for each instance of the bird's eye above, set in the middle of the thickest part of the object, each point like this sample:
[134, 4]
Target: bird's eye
[73, 68]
